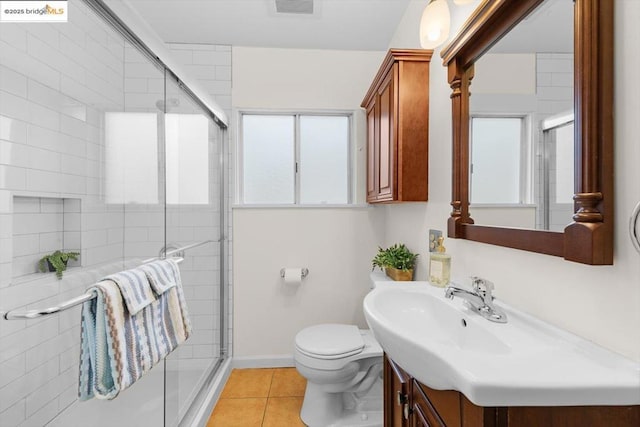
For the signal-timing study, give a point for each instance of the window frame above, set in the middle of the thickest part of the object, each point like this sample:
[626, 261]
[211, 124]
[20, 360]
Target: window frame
[296, 166]
[527, 158]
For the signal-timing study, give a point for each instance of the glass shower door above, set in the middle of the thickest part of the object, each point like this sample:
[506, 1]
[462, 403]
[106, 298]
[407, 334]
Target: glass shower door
[193, 222]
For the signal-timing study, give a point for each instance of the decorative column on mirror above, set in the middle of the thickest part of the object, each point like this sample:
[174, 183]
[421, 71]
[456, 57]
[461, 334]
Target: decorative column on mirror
[592, 229]
[459, 80]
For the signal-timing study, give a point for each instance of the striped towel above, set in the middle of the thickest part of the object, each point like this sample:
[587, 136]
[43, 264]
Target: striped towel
[134, 287]
[161, 274]
[119, 346]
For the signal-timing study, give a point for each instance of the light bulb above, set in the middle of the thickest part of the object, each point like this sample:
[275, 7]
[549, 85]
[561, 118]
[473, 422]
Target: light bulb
[435, 24]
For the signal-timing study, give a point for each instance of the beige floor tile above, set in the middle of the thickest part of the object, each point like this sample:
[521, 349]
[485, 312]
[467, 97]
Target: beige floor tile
[287, 382]
[283, 411]
[238, 413]
[248, 383]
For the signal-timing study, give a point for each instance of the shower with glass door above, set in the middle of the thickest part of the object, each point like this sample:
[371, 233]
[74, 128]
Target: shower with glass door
[104, 151]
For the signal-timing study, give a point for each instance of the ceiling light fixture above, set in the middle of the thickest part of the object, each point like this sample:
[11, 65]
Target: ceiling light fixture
[435, 24]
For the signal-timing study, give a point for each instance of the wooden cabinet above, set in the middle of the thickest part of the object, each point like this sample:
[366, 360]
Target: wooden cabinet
[422, 406]
[397, 106]
[396, 395]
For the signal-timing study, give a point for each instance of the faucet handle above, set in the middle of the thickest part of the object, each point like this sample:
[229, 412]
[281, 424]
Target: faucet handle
[482, 286]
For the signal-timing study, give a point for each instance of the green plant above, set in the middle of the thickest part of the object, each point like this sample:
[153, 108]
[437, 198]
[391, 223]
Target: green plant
[396, 256]
[58, 261]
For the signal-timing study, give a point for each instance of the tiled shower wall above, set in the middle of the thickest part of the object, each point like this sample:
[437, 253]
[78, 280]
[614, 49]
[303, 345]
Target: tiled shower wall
[42, 225]
[56, 82]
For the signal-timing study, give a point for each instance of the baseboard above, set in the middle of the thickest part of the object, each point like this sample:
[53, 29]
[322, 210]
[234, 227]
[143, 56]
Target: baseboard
[268, 361]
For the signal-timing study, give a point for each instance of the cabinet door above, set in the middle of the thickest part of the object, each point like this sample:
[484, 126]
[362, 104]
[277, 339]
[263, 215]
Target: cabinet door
[373, 147]
[387, 163]
[396, 395]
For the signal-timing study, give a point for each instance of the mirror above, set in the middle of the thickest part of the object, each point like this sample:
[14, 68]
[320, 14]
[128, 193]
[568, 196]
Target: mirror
[521, 121]
[550, 191]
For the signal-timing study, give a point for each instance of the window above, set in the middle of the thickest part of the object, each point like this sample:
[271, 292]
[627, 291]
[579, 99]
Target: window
[187, 145]
[131, 152]
[500, 171]
[295, 158]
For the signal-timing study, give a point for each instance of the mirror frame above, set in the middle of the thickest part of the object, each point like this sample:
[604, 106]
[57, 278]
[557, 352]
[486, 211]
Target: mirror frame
[589, 238]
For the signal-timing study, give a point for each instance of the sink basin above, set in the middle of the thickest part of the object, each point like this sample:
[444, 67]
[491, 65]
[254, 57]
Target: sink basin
[411, 312]
[524, 362]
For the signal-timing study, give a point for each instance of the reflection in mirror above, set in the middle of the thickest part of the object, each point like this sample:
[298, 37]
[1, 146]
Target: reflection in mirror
[521, 124]
[557, 174]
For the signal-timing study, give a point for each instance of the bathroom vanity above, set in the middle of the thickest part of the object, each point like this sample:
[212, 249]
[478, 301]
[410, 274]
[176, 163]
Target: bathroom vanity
[408, 402]
[446, 365]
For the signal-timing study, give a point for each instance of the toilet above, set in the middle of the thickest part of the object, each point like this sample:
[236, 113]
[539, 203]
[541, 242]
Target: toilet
[343, 368]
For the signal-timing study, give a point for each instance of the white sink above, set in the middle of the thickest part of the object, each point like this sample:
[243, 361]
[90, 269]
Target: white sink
[524, 362]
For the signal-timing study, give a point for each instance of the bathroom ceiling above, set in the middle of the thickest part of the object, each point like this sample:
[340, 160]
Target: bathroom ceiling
[334, 24]
[548, 29]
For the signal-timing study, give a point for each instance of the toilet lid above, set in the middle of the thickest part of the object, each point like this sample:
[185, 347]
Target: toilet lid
[330, 341]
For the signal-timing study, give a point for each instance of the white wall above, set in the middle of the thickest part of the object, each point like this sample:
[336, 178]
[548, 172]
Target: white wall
[598, 303]
[336, 244]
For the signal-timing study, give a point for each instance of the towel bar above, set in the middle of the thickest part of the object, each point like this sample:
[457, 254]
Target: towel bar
[633, 227]
[34, 314]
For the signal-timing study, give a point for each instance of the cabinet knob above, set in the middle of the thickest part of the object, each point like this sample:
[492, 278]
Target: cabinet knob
[406, 411]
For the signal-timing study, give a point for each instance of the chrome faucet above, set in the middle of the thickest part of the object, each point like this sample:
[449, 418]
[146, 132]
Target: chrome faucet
[479, 299]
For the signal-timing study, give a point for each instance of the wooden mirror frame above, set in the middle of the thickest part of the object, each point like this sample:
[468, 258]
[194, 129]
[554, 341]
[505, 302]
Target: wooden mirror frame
[589, 238]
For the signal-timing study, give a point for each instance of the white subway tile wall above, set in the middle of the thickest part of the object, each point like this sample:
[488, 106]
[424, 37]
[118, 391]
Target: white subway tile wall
[56, 82]
[42, 225]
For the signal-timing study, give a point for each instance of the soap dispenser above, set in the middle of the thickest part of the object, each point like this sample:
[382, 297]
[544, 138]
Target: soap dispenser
[439, 266]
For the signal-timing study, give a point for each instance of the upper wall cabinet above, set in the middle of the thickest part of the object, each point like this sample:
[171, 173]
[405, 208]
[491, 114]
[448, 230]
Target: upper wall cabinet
[397, 105]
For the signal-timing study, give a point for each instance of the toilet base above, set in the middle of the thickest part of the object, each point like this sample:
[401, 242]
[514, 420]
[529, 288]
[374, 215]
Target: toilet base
[322, 409]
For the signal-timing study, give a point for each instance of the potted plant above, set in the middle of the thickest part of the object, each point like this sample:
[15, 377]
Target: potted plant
[397, 261]
[56, 261]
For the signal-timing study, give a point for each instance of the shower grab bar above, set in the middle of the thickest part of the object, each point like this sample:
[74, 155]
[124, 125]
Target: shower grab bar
[633, 227]
[34, 314]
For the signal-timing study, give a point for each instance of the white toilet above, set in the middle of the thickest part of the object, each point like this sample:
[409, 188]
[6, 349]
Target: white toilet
[343, 368]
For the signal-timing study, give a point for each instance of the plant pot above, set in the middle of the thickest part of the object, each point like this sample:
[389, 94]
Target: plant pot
[52, 268]
[399, 275]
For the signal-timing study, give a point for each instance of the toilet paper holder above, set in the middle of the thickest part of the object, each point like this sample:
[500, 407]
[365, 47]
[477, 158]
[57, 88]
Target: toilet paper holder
[305, 272]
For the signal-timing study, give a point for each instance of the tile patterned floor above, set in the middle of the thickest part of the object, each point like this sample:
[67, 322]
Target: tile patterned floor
[260, 398]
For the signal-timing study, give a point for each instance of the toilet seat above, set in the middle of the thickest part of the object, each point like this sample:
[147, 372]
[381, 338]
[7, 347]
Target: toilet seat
[330, 341]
